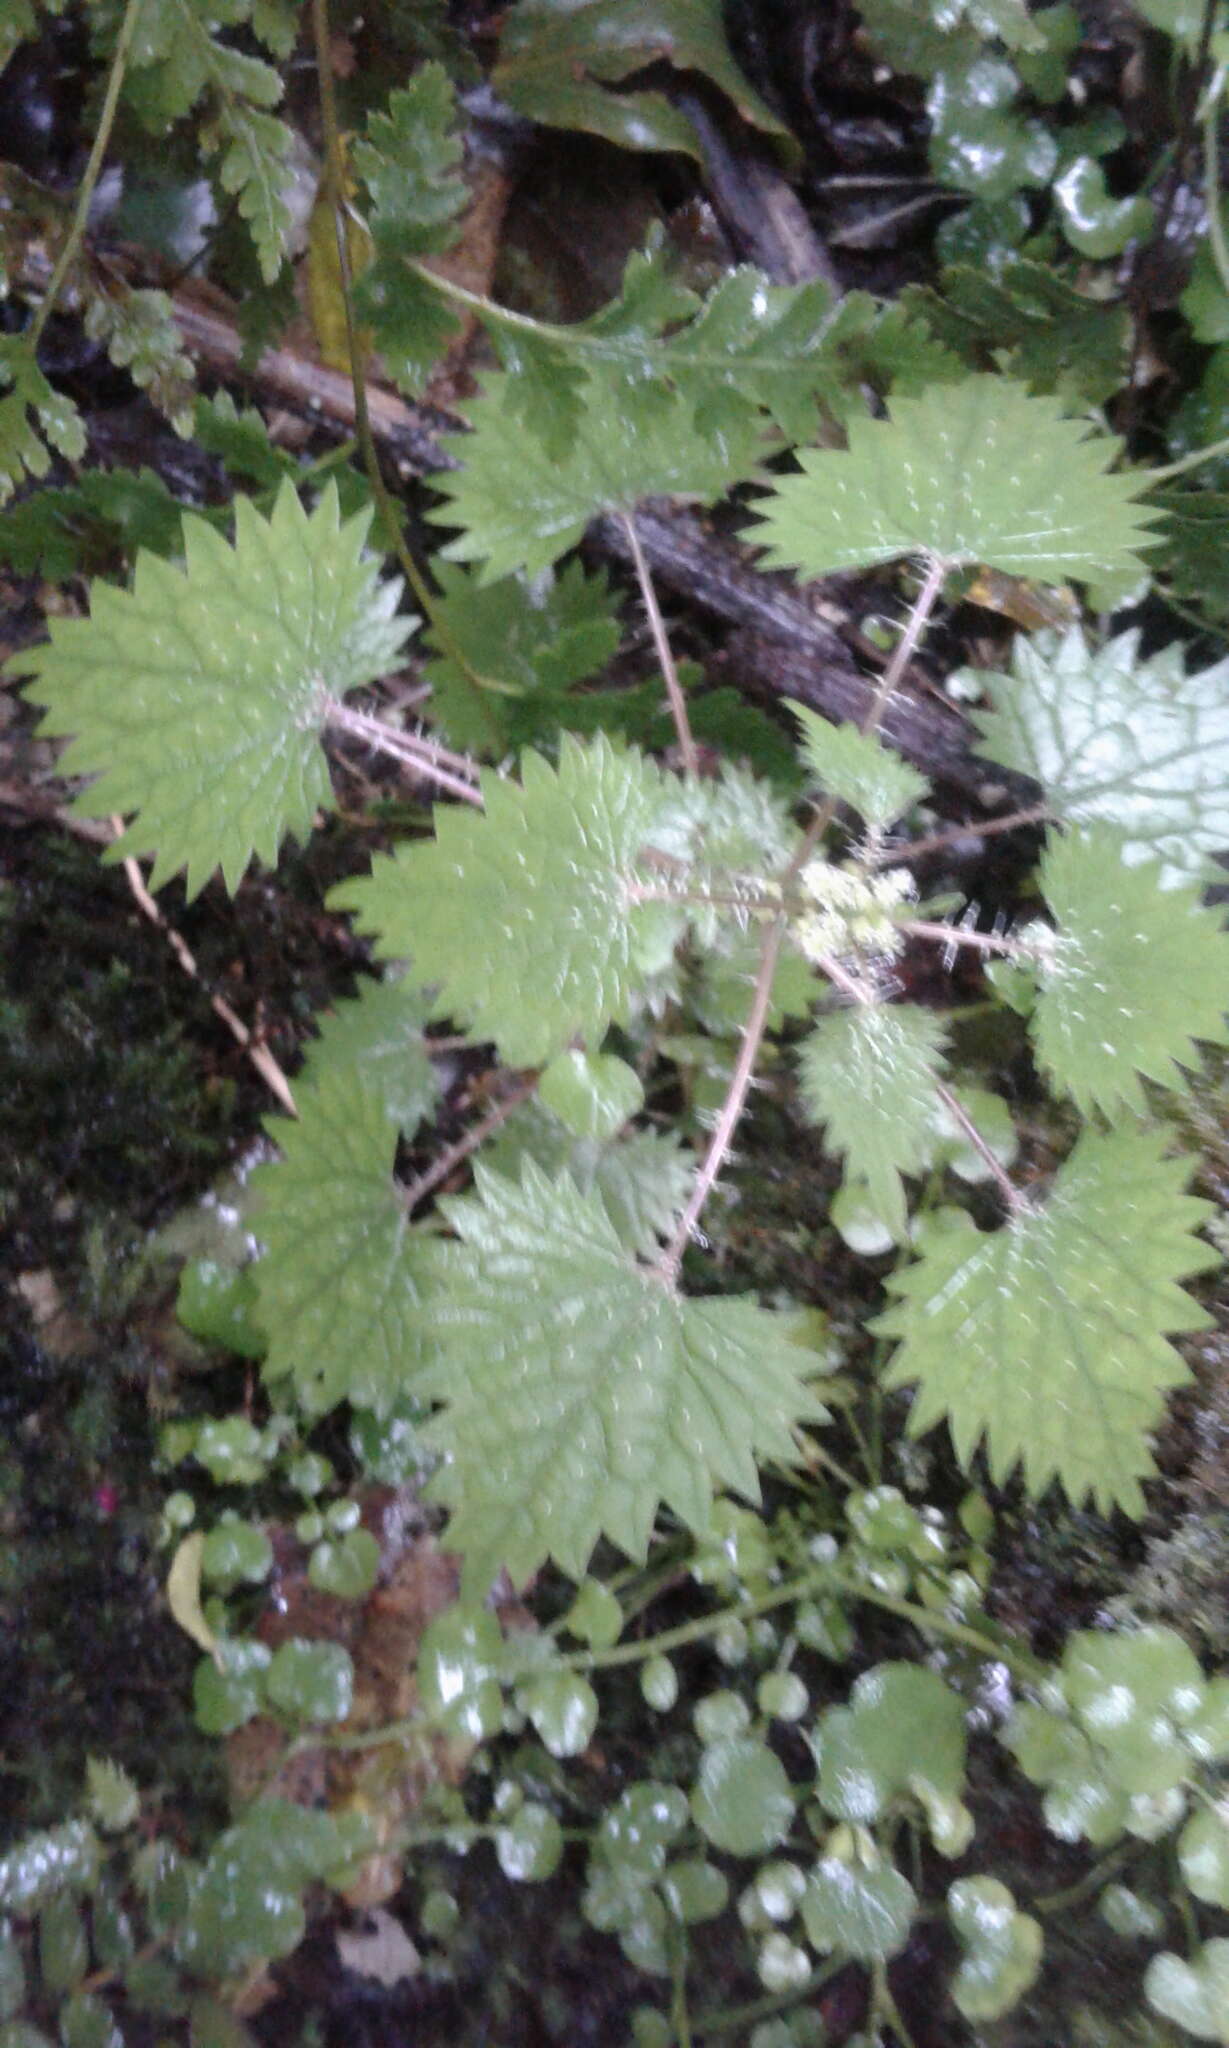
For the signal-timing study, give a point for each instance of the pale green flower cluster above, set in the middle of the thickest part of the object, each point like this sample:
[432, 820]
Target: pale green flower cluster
[855, 912]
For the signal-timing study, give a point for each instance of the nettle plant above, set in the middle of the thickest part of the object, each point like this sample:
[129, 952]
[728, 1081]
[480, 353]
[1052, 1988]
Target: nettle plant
[637, 938]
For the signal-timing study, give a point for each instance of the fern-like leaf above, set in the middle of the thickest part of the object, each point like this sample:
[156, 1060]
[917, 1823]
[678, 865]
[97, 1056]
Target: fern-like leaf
[1138, 744]
[341, 1286]
[140, 335]
[1133, 975]
[979, 471]
[198, 697]
[523, 913]
[1047, 1337]
[176, 58]
[581, 1391]
[869, 1073]
[33, 418]
[410, 162]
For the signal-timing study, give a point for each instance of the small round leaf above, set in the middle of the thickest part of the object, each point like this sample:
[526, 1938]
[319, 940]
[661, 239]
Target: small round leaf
[458, 1666]
[659, 1684]
[310, 1681]
[862, 1913]
[563, 1709]
[346, 1566]
[743, 1802]
[695, 1890]
[531, 1845]
[1203, 1852]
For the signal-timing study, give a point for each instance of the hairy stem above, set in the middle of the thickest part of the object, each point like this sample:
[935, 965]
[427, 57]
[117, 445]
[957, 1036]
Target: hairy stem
[909, 642]
[732, 1107]
[93, 171]
[938, 842]
[454, 772]
[962, 935]
[1002, 1180]
[438, 1171]
[1194, 460]
[665, 655]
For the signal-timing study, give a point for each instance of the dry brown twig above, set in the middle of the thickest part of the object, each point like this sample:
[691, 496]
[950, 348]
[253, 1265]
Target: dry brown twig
[259, 1055]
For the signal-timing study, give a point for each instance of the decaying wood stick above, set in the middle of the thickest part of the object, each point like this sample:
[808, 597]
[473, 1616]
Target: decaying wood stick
[782, 647]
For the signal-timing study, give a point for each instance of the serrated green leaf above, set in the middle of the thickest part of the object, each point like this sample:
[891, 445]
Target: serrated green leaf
[593, 1094]
[522, 913]
[581, 1390]
[752, 343]
[113, 1799]
[519, 507]
[176, 57]
[857, 769]
[341, 1285]
[1138, 744]
[1047, 1336]
[201, 693]
[981, 471]
[525, 644]
[83, 527]
[643, 1180]
[379, 1037]
[1134, 974]
[868, 1073]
